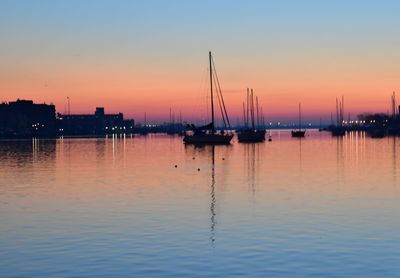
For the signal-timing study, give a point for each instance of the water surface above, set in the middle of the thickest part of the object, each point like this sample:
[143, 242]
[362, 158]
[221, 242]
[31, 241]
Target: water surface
[319, 206]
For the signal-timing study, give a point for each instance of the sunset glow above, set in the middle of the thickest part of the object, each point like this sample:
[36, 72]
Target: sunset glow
[150, 56]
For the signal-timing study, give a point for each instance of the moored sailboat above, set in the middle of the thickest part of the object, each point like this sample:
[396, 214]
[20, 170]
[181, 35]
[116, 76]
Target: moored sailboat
[249, 133]
[208, 134]
[338, 129]
[299, 133]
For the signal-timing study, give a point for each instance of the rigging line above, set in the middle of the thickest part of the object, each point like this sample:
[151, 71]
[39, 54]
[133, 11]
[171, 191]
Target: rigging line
[258, 116]
[220, 91]
[252, 109]
[220, 105]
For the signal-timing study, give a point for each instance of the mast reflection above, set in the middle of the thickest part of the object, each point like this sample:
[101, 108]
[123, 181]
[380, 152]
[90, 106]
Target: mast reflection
[206, 153]
[213, 197]
[252, 156]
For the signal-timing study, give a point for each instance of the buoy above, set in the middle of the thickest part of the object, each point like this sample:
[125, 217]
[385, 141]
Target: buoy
[198, 169]
[223, 158]
[193, 157]
[176, 166]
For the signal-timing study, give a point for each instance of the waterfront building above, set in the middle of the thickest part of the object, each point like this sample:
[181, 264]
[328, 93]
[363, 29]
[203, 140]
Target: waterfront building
[23, 118]
[98, 123]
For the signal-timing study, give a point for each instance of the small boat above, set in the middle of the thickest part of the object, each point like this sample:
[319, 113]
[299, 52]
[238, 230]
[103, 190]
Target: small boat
[174, 128]
[247, 134]
[207, 135]
[377, 132]
[320, 129]
[299, 133]
[251, 136]
[144, 129]
[208, 139]
[338, 131]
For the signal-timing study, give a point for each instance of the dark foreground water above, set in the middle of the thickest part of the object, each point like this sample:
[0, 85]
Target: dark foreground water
[319, 206]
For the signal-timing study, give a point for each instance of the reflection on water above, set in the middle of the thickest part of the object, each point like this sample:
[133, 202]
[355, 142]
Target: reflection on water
[212, 194]
[118, 206]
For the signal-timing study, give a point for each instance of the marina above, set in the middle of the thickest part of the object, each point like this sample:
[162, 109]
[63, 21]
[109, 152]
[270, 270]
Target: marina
[171, 138]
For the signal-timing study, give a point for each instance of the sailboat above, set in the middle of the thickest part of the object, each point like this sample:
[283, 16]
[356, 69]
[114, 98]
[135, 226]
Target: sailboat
[299, 132]
[171, 128]
[247, 134]
[144, 130]
[207, 134]
[338, 129]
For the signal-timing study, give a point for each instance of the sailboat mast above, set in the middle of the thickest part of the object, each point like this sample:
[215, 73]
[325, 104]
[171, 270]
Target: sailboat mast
[342, 118]
[244, 116]
[258, 116]
[247, 109]
[337, 112]
[262, 118]
[252, 109]
[212, 94]
[300, 116]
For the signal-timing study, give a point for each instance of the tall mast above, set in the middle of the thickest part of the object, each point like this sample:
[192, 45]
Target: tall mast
[69, 106]
[300, 116]
[262, 118]
[247, 110]
[258, 116]
[337, 112]
[252, 109]
[394, 105]
[212, 95]
[244, 116]
[342, 118]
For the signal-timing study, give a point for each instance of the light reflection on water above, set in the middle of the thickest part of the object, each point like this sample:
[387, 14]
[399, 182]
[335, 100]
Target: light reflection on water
[118, 207]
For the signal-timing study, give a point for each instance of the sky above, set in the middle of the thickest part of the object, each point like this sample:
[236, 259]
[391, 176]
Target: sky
[152, 55]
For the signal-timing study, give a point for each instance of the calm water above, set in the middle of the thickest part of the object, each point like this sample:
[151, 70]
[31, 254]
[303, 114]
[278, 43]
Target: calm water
[320, 206]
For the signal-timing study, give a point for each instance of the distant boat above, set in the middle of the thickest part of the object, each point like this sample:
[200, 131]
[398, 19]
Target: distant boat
[174, 128]
[247, 134]
[320, 129]
[207, 135]
[251, 136]
[338, 129]
[299, 133]
[143, 130]
[377, 132]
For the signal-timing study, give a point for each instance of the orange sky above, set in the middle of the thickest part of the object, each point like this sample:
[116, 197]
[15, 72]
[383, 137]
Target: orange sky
[132, 58]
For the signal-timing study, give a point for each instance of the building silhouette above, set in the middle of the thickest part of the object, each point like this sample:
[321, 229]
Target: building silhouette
[23, 118]
[98, 123]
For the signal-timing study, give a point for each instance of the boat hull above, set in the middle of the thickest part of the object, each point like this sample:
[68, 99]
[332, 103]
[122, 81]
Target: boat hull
[298, 133]
[377, 133]
[208, 139]
[338, 132]
[251, 136]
